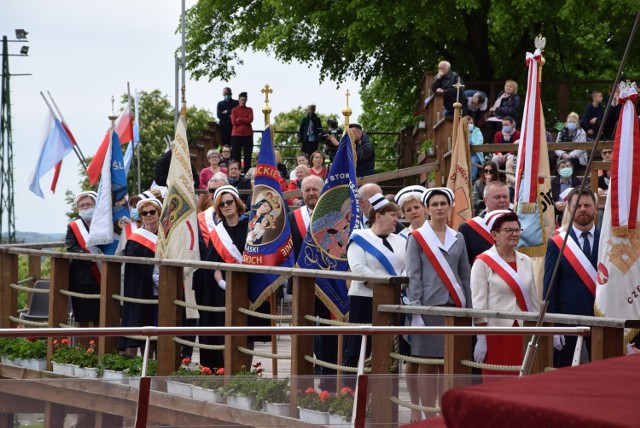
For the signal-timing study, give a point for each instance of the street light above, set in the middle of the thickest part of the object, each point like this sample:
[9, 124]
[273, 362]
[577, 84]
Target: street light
[6, 141]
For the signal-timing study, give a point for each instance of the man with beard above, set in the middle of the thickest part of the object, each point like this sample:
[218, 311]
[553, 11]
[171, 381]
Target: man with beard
[573, 291]
[477, 236]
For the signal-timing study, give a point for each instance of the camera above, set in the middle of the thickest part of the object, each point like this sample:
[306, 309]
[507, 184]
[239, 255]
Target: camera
[329, 149]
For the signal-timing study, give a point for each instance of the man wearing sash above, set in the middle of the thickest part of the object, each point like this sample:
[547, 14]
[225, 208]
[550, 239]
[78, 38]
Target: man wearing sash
[84, 276]
[477, 236]
[373, 251]
[574, 289]
[141, 281]
[438, 270]
[502, 279]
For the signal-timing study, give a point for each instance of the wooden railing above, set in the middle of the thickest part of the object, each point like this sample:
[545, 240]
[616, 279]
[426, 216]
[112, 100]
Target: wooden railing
[607, 333]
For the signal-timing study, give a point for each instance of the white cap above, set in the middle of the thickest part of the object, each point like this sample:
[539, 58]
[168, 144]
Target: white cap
[81, 195]
[448, 193]
[227, 188]
[492, 216]
[415, 191]
[147, 200]
[378, 201]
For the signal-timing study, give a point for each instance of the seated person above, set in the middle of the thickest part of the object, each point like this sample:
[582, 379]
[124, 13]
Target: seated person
[301, 159]
[572, 133]
[592, 116]
[508, 135]
[564, 180]
[475, 138]
[477, 106]
[506, 105]
[302, 171]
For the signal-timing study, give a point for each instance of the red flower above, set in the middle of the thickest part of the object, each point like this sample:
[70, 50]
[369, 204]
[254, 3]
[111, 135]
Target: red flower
[346, 390]
[32, 339]
[89, 350]
[310, 391]
[258, 364]
[324, 395]
[65, 341]
[92, 342]
[205, 370]
[55, 341]
[220, 371]
[186, 360]
[259, 371]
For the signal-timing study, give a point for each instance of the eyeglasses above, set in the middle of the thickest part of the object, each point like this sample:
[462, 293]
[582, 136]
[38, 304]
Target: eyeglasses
[146, 213]
[607, 152]
[86, 206]
[488, 171]
[510, 231]
[227, 203]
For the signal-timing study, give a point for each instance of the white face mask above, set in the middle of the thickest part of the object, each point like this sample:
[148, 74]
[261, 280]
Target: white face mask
[87, 214]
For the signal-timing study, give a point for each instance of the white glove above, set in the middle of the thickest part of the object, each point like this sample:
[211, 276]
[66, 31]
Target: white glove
[222, 284]
[480, 351]
[558, 342]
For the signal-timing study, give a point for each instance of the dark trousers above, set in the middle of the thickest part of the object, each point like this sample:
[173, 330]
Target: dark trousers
[326, 349]
[240, 145]
[564, 358]
[225, 135]
[309, 147]
[361, 313]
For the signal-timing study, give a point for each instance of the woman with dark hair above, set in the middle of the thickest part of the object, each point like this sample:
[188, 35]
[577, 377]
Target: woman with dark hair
[502, 279]
[376, 250]
[489, 173]
[438, 270]
[317, 165]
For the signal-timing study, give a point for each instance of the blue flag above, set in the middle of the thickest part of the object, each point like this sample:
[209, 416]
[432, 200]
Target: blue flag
[269, 237]
[335, 216]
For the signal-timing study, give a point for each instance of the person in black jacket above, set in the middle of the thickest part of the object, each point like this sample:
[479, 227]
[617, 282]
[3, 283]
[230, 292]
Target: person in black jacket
[224, 116]
[308, 130]
[162, 170]
[444, 84]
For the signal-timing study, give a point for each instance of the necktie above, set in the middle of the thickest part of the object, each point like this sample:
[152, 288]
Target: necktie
[586, 247]
[385, 242]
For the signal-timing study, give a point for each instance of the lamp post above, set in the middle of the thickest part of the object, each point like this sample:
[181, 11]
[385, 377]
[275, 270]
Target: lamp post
[6, 142]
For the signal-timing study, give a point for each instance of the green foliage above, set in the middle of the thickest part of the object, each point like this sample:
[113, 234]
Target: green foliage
[64, 353]
[23, 273]
[270, 390]
[156, 124]
[135, 367]
[30, 348]
[244, 383]
[115, 362]
[314, 400]
[342, 405]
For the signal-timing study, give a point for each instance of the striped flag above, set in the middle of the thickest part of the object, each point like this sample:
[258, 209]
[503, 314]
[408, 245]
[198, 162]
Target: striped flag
[459, 180]
[617, 293]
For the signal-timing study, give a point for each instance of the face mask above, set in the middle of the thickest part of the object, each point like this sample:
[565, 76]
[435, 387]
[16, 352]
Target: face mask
[571, 126]
[506, 129]
[566, 172]
[134, 214]
[471, 128]
[87, 214]
[227, 97]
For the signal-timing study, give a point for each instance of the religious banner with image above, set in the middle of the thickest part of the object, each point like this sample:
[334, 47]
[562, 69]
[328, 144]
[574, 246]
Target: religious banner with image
[618, 278]
[335, 216]
[269, 237]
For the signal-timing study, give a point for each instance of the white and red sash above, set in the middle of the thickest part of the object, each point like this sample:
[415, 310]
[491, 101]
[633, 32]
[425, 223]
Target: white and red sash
[578, 261]
[82, 234]
[430, 244]
[145, 238]
[224, 245]
[303, 218]
[129, 228]
[480, 226]
[508, 275]
[205, 220]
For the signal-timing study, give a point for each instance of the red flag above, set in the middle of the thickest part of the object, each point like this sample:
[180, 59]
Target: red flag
[124, 129]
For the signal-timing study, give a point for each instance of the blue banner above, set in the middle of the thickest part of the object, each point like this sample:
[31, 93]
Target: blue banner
[269, 237]
[335, 216]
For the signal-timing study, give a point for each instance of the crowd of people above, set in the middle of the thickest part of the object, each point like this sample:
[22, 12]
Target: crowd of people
[476, 266]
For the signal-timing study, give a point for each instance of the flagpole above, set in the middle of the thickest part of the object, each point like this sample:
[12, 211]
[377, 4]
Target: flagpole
[79, 155]
[137, 143]
[533, 344]
[133, 151]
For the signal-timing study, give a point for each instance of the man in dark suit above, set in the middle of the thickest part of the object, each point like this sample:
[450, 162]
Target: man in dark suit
[308, 131]
[477, 237]
[573, 291]
[224, 116]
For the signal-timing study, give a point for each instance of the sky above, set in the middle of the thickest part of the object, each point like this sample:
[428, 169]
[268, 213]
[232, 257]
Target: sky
[85, 52]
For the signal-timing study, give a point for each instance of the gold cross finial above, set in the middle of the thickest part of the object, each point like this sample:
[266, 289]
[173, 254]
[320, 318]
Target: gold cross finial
[458, 86]
[113, 101]
[346, 111]
[266, 91]
[347, 94]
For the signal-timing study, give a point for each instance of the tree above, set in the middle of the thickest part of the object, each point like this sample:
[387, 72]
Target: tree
[156, 124]
[397, 42]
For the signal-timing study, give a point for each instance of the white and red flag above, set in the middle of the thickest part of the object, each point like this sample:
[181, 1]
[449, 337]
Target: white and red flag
[618, 279]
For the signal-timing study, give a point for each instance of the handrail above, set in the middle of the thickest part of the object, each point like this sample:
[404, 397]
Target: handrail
[292, 330]
[491, 147]
[380, 279]
[525, 316]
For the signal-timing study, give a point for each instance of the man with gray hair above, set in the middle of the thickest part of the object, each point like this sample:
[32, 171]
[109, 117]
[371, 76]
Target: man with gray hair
[308, 130]
[444, 84]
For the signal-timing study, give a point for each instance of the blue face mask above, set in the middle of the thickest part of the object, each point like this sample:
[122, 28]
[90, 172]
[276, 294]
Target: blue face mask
[134, 214]
[471, 128]
[571, 126]
[227, 97]
[566, 172]
[506, 129]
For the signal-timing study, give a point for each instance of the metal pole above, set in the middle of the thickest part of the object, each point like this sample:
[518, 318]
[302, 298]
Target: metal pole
[183, 61]
[177, 95]
[6, 150]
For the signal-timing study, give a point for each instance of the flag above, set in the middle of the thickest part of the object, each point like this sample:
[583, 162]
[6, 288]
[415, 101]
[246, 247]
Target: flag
[269, 238]
[124, 129]
[617, 290]
[56, 144]
[128, 155]
[177, 234]
[112, 208]
[534, 204]
[459, 178]
[336, 215]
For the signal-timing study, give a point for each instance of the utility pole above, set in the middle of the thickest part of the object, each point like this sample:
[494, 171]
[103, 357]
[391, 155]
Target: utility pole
[7, 207]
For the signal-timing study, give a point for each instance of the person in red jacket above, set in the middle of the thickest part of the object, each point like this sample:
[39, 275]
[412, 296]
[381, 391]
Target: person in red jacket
[242, 132]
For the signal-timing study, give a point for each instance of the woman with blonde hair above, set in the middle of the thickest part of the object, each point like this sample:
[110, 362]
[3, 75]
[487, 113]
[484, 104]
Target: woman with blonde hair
[506, 105]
